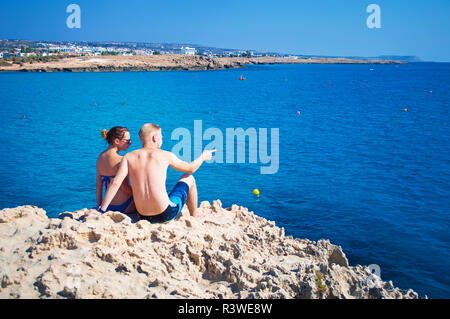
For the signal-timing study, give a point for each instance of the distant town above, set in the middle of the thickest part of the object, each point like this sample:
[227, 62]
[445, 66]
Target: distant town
[45, 50]
[25, 48]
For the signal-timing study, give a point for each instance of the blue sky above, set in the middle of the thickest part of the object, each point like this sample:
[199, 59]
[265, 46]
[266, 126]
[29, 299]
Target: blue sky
[322, 27]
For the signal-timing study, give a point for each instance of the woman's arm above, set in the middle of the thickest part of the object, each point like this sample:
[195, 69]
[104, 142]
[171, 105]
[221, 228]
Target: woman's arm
[115, 185]
[99, 189]
[126, 188]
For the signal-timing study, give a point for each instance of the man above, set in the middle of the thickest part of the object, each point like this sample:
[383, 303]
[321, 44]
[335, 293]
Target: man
[147, 169]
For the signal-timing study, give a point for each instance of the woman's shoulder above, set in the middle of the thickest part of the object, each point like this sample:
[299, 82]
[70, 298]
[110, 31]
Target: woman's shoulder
[108, 160]
[108, 154]
[102, 157]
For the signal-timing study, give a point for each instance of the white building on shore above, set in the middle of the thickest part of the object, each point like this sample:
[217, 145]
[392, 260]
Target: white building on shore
[188, 50]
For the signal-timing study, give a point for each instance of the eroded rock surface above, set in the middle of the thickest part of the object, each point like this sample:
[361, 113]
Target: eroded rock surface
[233, 253]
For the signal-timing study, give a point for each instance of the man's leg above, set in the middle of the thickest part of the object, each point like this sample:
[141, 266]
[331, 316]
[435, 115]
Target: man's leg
[192, 199]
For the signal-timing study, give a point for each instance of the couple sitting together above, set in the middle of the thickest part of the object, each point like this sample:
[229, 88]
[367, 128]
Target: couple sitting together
[145, 170]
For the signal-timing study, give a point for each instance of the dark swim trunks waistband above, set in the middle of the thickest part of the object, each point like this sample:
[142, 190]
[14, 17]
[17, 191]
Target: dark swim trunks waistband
[178, 197]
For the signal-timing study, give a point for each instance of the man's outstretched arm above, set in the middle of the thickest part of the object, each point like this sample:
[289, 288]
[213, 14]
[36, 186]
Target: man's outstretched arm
[191, 167]
[115, 185]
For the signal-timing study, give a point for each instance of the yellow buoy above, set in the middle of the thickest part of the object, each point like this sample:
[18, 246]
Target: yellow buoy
[256, 192]
[406, 110]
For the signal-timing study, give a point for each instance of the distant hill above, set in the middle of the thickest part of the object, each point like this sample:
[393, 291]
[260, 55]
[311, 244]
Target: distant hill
[403, 58]
[400, 58]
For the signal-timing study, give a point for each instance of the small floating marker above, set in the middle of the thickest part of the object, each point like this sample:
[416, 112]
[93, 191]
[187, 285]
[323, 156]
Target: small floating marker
[367, 86]
[23, 117]
[431, 92]
[256, 192]
[406, 110]
[329, 82]
[241, 78]
[298, 112]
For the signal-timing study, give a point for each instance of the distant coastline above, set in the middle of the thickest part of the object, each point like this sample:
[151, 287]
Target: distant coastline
[169, 62]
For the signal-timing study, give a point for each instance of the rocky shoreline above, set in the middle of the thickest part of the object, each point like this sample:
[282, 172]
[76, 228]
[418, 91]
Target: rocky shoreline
[233, 253]
[166, 63]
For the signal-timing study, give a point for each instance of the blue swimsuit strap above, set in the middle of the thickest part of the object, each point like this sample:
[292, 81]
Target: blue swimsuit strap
[106, 180]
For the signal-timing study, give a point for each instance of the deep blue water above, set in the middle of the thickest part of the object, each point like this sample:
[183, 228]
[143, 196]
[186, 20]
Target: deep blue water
[354, 168]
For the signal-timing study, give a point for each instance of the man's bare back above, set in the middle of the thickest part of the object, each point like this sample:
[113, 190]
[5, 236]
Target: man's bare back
[147, 169]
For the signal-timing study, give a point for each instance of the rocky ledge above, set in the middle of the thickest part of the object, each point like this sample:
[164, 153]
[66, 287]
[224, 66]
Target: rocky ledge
[170, 62]
[233, 253]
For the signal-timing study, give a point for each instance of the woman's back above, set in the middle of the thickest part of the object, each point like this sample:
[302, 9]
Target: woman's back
[108, 164]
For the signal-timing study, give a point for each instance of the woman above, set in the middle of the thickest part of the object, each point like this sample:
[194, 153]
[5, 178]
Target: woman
[108, 163]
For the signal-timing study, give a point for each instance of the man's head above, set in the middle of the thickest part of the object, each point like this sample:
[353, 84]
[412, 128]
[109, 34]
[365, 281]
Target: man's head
[150, 135]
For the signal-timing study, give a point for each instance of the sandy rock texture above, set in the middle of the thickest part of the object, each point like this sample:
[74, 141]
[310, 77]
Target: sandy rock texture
[169, 62]
[233, 253]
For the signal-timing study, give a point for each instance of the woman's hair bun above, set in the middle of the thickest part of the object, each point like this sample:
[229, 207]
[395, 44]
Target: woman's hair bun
[105, 134]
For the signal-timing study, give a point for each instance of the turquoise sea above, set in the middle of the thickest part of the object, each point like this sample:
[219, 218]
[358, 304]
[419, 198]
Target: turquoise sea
[355, 167]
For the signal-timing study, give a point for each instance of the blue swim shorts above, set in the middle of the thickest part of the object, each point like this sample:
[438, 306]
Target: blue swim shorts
[178, 197]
